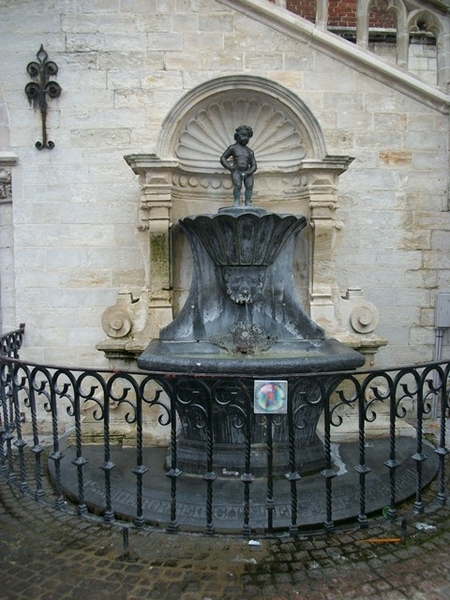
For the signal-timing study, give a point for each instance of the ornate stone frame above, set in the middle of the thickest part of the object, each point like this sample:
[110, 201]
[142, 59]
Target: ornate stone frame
[295, 174]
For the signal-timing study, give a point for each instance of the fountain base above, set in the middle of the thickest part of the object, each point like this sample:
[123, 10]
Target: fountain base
[242, 322]
[228, 510]
[229, 458]
[291, 356]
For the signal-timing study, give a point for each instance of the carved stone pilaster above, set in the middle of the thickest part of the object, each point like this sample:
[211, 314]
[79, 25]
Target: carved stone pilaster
[7, 306]
[350, 319]
[321, 190]
[155, 177]
[5, 184]
[131, 322]
[7, 160]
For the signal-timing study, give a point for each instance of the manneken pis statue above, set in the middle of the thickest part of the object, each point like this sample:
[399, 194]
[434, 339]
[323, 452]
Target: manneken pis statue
[242, 165]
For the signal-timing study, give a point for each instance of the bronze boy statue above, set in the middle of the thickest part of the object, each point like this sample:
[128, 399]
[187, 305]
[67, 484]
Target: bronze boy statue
[243, 164]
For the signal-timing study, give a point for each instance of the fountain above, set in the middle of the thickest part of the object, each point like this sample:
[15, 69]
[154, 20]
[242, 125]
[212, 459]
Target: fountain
[242, 322]
[242, 410]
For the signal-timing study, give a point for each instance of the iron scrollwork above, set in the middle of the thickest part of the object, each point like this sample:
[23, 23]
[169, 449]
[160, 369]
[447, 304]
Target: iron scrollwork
[275, 491]
[42, 86]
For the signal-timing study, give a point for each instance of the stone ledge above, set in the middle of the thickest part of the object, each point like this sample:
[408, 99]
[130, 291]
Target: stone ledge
[8, 159]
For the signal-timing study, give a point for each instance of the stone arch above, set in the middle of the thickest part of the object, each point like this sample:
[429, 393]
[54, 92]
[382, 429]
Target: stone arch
[201, 125]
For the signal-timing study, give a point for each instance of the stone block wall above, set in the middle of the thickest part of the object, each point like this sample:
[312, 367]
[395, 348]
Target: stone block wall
[123, 65]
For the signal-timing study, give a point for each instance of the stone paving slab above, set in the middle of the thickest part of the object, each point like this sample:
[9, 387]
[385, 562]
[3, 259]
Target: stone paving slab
[46, 554]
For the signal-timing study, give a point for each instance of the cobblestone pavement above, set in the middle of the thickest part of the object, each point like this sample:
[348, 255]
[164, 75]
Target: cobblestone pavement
[48, 554]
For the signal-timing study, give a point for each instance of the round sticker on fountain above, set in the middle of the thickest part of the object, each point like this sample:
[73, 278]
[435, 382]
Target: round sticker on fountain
[270, 397]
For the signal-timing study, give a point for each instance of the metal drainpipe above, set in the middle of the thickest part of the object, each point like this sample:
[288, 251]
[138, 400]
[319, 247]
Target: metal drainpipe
[441, 322]
[439, 334]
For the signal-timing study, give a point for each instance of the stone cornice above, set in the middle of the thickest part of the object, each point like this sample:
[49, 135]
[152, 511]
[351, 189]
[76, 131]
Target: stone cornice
[8, 159]
[346, 52]
[140, 163]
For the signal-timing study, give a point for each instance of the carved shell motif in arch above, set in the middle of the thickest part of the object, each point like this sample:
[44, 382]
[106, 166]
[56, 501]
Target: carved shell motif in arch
[276, 141]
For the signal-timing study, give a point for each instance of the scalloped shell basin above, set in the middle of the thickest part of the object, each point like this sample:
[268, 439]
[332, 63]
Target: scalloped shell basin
[244, 237]
[287, 357]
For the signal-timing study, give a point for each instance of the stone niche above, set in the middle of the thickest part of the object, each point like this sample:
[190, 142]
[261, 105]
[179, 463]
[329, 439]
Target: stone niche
[184, 177]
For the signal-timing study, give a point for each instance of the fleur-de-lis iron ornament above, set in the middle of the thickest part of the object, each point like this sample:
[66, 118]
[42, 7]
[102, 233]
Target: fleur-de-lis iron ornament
[38, 90]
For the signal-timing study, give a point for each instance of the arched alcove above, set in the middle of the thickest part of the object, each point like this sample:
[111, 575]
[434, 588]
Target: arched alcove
[201, 125]
[295, 175]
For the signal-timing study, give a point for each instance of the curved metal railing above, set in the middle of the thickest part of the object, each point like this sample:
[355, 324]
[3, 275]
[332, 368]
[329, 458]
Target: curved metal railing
[78, 423]
[11, 342]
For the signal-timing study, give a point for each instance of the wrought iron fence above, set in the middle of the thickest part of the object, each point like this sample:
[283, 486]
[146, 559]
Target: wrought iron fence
[184, 483]
[11, 342]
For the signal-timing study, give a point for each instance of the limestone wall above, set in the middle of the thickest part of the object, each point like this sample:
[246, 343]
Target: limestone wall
[123, 65]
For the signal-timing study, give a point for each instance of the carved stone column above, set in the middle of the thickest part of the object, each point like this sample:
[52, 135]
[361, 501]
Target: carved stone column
[362, 23]
[155, 205]
[322, 14]
[321, 189]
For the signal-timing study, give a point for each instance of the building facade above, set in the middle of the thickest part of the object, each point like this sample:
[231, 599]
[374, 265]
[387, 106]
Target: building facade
[349, 105]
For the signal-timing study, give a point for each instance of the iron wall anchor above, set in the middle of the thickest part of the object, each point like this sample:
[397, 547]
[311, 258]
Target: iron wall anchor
[38, 90]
